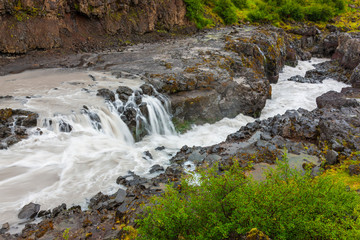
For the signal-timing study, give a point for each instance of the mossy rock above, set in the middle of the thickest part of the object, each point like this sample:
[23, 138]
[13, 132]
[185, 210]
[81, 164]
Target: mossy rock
[5, 114]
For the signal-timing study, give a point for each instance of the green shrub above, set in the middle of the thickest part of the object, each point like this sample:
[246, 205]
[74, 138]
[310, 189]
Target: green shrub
[319, 12]
[291, 10]
[336, 4]
[240, 4]
[195, 11]
[287, 205]
[226, 10]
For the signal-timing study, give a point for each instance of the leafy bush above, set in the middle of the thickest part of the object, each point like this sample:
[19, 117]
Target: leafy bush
[240, 4]
[226, 10]
[337, 4]
[195, 12]
[287, 205]
[291, 10]
[319, 12]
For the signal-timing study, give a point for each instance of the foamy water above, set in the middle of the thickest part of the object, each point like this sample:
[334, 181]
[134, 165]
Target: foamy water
[58, 167]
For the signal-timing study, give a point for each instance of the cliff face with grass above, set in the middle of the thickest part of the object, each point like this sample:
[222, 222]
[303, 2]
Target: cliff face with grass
[45, 24]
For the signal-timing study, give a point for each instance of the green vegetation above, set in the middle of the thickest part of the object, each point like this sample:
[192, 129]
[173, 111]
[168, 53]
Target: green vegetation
[204, 12]
[289, 204]
[182, 126]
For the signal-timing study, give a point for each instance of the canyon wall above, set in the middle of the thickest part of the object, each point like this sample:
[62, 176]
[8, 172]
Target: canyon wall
[46, 24]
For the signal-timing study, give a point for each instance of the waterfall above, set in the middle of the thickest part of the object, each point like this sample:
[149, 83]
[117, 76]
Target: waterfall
[149, 114]
[159, 118]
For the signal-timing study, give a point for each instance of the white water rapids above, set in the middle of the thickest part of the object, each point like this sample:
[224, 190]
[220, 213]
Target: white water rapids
[58, 167]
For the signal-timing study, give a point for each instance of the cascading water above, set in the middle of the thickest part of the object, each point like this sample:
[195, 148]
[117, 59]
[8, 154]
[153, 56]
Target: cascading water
[84, 143]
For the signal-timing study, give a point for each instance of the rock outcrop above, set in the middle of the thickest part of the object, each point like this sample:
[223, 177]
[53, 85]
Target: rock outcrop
[348, 51]
[14, 124]
[355, 77]
[28, 25]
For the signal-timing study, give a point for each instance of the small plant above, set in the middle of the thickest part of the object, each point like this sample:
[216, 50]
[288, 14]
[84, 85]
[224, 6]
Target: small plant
[66, 234]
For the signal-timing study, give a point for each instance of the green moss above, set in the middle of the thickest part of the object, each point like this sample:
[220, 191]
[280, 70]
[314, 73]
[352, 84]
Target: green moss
[182, 126]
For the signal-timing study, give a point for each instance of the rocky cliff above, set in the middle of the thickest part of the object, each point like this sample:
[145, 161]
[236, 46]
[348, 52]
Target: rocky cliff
[45, 24]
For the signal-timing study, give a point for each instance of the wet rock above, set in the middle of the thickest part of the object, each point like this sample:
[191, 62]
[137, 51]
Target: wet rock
[331, 157]
[354, 169]
[301, 79]
[329, 69]
[30, 120]
[95, 119]
[147, 155]
[334, 99]
[5, 227]
[160, 148]
[65, 127]
[106, 94]
[29, 211]
[147, 89]
[355, 77]
[44, 213]
[6, 97]
[56, 211]
[97, 201]
[156, 168]
[124, 93]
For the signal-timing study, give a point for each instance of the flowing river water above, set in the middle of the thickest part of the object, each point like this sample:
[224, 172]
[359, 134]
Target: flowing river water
[58, 167]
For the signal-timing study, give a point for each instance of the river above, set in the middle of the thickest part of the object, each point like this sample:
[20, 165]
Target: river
[59, 167]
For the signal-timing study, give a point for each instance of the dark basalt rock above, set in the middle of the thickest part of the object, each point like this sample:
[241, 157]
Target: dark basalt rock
[65, 127]
[334, 99]
[355, 77]
[106, 94]
[160, 148]
[97, 201]
[329, 69]
[14, 124]
[29, 211]
[147, 155]
[156, 168]
[95, 119]
[348, 52]
[301, 79]
[5, 227]
[6, 97]
[147, 89]
[124, 93]
[56, 211]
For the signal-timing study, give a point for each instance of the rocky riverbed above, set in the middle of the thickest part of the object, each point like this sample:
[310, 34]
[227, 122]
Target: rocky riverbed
[212, 75]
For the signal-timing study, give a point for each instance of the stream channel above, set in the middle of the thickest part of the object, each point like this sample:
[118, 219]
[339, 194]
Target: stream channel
[53, 167]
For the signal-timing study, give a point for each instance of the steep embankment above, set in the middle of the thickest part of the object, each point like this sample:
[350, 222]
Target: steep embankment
[83, 24]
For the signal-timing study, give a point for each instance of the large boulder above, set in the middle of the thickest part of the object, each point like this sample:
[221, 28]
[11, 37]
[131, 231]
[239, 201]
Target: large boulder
[348, 51]
[355, 77]
[29, 211]
[334, 99]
